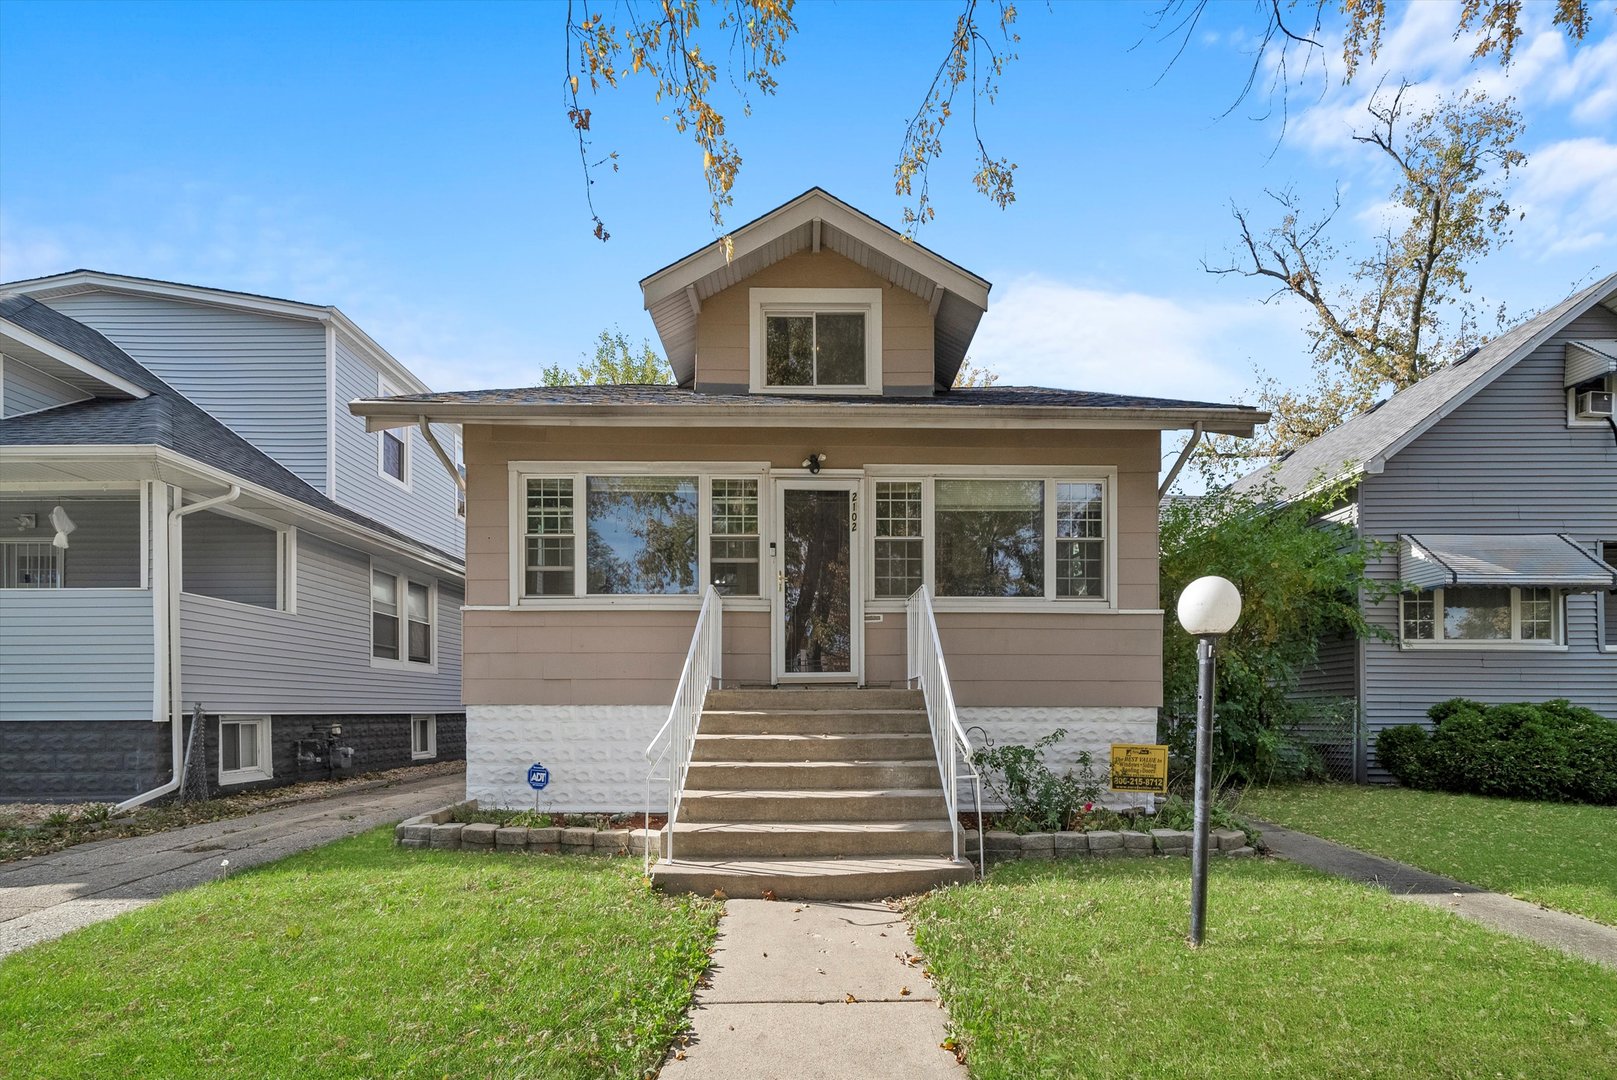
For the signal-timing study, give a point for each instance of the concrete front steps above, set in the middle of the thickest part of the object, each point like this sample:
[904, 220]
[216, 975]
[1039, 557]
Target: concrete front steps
[812, 795]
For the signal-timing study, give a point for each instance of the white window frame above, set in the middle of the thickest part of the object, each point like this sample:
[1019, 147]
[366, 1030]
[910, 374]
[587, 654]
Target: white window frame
[286, 563]
[387, 389]
[1607, 550]
[431, 749]
[1572, 420]
[1556, 643]
[8, 551]
[265, 769]
[762, 303]
[1105, 476]
[402, 582]
[520, 472]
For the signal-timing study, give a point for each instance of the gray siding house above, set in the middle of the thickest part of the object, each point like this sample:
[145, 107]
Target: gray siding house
[1493, 484]
[192, 524]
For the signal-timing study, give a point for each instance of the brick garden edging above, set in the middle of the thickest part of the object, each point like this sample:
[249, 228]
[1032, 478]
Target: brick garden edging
[435, 830]
[1100, 844]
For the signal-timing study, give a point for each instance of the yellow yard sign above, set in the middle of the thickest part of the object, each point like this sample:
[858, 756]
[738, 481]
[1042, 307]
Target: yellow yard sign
[1140, 767]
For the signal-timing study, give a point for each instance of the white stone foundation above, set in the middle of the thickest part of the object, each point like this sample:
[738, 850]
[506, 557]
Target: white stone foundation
[1091, 729]
[595, 754]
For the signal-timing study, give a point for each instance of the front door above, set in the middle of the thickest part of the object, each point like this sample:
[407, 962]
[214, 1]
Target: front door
[818, 625]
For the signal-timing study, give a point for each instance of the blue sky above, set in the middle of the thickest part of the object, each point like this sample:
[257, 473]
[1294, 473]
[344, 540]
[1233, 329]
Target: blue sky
[412, 164]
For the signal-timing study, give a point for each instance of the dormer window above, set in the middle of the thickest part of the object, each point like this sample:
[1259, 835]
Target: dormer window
[816, 341]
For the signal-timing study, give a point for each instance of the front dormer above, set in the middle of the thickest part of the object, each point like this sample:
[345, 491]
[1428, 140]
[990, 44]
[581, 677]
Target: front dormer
[816, 298]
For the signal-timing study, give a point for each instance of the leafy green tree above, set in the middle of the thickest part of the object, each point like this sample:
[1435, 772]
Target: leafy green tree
[1300, 578]
[615, 363]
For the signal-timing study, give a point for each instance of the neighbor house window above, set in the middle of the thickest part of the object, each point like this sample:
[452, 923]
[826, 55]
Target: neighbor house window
[401, 618]
[816, 339]
[733, 537]
[393, 447]
[30, 564]
[1475, 614]
[244, 750]
[900, 558]
[423, 737]
[1597, 396]
[990, 537]
[1608, 552]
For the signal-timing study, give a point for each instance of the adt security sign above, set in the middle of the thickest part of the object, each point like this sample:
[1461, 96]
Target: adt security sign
[538, 777]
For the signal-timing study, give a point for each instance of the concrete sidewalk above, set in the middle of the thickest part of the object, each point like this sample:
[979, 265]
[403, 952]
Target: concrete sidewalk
[815, 991]
[1569, 933]
[46, 897]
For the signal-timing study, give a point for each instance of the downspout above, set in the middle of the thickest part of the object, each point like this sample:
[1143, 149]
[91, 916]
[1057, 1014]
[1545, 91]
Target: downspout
[437, 448]
[1184, 456]
[174, 561]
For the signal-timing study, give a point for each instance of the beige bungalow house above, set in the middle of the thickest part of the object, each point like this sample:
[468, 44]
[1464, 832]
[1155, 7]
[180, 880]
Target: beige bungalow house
[870, 568]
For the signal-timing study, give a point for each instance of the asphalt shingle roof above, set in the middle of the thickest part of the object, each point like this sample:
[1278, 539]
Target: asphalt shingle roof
[960, 397]
[1376, 431]
[167, 418]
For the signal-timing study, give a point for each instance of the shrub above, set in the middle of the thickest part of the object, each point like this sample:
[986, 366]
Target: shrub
[1035, 797]
[1553, 751]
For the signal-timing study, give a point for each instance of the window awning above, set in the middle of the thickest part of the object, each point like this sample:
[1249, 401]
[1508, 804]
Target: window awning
[1434, 560]
[1587, 360]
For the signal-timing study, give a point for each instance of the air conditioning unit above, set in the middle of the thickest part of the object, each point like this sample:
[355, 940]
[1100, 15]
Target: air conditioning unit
[1595, 405]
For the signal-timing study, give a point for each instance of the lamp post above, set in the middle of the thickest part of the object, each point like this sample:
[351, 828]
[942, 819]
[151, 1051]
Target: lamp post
[1208, 609]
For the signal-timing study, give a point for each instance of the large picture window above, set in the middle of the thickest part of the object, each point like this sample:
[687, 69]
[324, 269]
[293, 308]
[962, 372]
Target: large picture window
[1481, 615]
[990, 537]
[641, 535]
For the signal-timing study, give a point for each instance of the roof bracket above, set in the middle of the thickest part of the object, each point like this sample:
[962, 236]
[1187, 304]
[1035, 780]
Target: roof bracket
[692, 299]
[1179, 463]
[936, 301]
[443, 457]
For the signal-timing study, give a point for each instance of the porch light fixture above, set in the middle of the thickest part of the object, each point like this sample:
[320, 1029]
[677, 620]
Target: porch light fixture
[26, 522]
[1208, 608]
[813, 462]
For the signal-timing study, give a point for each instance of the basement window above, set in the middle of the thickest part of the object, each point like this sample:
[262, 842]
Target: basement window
[244, 750]
[423, 737]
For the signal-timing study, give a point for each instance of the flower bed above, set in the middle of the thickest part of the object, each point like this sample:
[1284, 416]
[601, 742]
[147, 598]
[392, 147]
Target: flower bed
[1000, 846]
[440, 829]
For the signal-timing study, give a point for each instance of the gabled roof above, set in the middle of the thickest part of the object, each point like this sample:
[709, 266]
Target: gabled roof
[965, 406]
[76, 282]
[816, 219]
[1364, 443]
[164, 417]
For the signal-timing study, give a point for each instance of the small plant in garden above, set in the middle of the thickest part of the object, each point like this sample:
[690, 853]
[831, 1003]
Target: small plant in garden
[1035, 797]
[1180, 813]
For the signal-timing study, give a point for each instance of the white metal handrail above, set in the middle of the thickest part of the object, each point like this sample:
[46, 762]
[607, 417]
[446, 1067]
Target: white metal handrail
[704, 668]
[930, 673]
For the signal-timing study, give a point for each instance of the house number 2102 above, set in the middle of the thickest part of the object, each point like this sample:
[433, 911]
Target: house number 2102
[853, 512]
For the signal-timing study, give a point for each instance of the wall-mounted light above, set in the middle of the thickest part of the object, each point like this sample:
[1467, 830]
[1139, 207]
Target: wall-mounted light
[26, 522]
[813, 462]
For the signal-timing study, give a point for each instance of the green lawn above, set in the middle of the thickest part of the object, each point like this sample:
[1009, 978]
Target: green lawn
[360, 959]
[1079, 969]
[1561, 855]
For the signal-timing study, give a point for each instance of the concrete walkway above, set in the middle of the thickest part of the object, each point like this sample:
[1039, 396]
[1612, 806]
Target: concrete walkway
[44, 898]
[815, 991]
[1569, 933]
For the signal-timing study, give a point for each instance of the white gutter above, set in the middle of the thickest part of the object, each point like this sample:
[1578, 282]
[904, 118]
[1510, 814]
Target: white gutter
[174, 563]
[437, 448]
[1184, 456]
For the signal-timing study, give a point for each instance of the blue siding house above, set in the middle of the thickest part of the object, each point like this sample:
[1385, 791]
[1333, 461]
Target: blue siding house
[1493, 484]
[192, 524]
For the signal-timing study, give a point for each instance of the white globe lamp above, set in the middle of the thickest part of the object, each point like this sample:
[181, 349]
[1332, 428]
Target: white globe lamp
[1208, 609]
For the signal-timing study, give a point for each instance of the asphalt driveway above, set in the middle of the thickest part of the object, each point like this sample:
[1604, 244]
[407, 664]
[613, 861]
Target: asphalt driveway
[46, 897]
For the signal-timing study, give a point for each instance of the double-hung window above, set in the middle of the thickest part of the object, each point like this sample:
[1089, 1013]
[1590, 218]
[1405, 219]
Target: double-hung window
[401, 619]
[1481, 615]
[610, 534]
[1608, 552]
[983, 537]
[816, 340]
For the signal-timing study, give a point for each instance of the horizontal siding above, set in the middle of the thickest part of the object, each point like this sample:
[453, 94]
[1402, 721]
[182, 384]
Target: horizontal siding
[263, 377]
[76, 654]
[230, 559]
[25, 389]
[103, 552]
[240, 659]
[427, 510]
[1505, 461]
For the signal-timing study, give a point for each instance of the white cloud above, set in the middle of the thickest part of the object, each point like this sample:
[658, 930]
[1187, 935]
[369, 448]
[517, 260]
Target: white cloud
[1051, 333]
[1568, 196]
